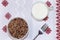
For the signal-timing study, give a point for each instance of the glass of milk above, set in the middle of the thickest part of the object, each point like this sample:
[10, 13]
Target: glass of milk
[40, 10]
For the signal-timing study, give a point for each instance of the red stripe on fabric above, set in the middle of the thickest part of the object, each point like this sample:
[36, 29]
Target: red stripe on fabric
[58, 19]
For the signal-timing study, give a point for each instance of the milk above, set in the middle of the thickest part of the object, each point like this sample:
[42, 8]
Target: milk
[39, 11]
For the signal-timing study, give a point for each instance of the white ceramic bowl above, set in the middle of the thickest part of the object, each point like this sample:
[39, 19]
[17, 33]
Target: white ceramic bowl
[16, 38]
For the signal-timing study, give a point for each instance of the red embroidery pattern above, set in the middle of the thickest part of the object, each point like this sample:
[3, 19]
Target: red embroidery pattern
[48, 30]
[48, 3]
[8, 15]
[46, 18]
[5, 3]
[58, 19]
[4, 28]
